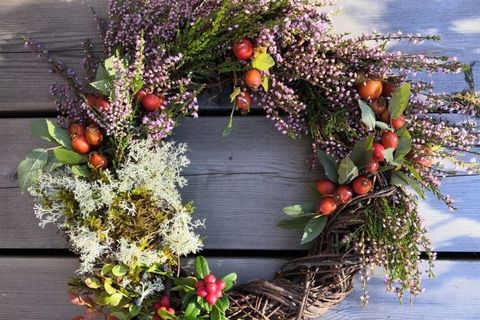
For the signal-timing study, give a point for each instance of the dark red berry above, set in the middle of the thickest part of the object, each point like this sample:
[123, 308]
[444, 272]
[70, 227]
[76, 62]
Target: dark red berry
[80, 145]
[102, 104]
[243, 50]
[253, 78]
[93, 135]
[91, 100]
[379, 105]
[343, 194]
[385, 116]
[76, 129]
[399, 122]
[327, 206]
[378, 151]
[325, 187]
[140, 95]
[152, 102]
[243, 101]
[390, 140]
[165, 301]
[199, 284]
[211, 298]
[388, 89]
[373, 166]
[362, 185]
[370, 89]
[98, 160]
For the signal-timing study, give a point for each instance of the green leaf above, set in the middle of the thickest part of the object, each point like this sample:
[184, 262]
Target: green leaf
[106, 269]
[399, 101]
[223, 304]
[192, 311]
[388, 154]
[164, 314]
[362, 151]
[101, 73]
[229, 126]
[108, 286]
[39, 129]
[59, 134]
[104, 86]
[235, 93]
[297, 223]
[188, 282]
[31, 168]
[69, 157]
[201, 267]
[299, 209]
[216, 314]
[400, 179]
[347, 171]
[263, 61]
[382, 125]
[120, 315]
[328, 164]
[404, 145]
[81, 171]
[265, 84]
[109, 65]
[120, 270]
[368, 117]
[52, 163]
[133, 311]
[313, 229]
[230, 280]
[114, 299]
[93, 283]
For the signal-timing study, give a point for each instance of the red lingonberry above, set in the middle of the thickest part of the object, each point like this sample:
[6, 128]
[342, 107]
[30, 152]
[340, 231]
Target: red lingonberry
[378, 152]
[325, 187]
[165, 301]
[362, 185]
[343, 194]
[211, 288]
[211, 298]
[202, 292]
[327, 206]
[220, 285]
[243, 50]
[140, 95]
[199, 284]
[388, 89]
[210, 278]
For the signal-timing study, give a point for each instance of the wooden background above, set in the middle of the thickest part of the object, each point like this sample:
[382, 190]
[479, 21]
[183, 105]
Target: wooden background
[240, 183]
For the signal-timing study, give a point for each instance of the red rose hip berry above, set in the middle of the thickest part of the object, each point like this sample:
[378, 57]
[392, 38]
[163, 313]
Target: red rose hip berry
[98, 160]
[378, 105]
[378, 152]
[325, 187]
[390, 140]
[243, 50]
[327, 206]
[93, 135]
[243, 101]
[343, 194]
[91, 100]
[362, 185]
[253, 78]
[370, 89]
[388, 89]
[398, 123]
[373, 166]
[102, 103]
[151, 102]
[80, 145]
[76, 129]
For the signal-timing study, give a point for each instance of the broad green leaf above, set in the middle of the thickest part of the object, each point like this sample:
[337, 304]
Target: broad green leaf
[347, 171]
[104, 86]
[106, 269]
[59, 134]
[368, 117]
[265, 84]
[235, 93]
[203, 304]
[414, 172]
[223, 303]
[201, 267]
[110, 65]
[388, 154]
[31, 168]
[382, 125]
[120, 270]
[399, 101]
[299, 209]
[297, 223]
[81, 171]
[362, 151]
[263, 61]
[39, 129]
[328, 164]
[52, 163]
[230, 280]
[192, 311]
[404, 144]
[108, 286]
[215, 314]
[313, 229]
[164, 314]
[69, 157]
[400, 179]
[185, 282]
[93, 283]
[101, 73]
[114, 299]
[136, 84]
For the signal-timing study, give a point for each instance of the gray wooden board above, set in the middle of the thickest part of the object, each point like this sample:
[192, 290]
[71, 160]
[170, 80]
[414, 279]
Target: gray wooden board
[36, 288]
[239, 184]
[62, 25]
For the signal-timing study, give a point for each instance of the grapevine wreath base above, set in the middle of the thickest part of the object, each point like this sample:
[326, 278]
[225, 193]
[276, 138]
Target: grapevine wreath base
[307, 287]
[111, 179]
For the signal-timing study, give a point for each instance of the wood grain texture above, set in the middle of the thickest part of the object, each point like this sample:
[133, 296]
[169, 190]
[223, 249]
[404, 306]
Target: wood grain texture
[239, 185]
[62, 25]
[35, 288]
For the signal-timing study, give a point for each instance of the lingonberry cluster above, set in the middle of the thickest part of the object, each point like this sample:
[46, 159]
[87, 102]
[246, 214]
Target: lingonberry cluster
[162, 304]
[210, 289]
[84, 140]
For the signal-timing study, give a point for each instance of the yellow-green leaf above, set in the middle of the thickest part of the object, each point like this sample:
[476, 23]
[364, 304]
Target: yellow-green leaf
[93, 283]
[263, 61]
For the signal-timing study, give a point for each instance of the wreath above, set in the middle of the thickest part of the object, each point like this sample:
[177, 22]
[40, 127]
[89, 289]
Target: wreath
[110, 179]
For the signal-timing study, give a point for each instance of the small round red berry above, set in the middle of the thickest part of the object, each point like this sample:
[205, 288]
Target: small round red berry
[220, 285]
[243, 50]
[211, 287]
[343, 194]
[385, 116]
[102, 103]
[399, 122]
[390, 140]
[253, 78]
[388, 89]
[93, 135]
[362, 185]
[211, 298]
[98, 160]
[80, 145]
[202, 292]
[378, 151]
[325, 187]
[210, 278]
[91, 100]
[243, 101]
[327, 206]
[372, 166]
[199, 284]
[76, 129]
[370, 89]
[171, 310]
[157, 305]
[140, 95]
[165, 301]
[378, 105]
[152, 102]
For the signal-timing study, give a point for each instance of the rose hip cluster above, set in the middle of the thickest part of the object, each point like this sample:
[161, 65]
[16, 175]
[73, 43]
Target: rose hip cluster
[244, 51]
[339, 195]
[84, 140]
[162, 304]
[210, 289]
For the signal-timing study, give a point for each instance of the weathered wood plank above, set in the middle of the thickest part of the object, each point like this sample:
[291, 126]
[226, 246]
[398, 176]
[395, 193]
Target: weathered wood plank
[239, 184]
[35, 287]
